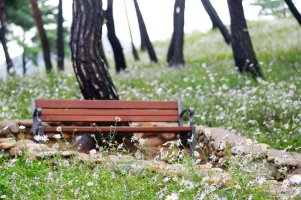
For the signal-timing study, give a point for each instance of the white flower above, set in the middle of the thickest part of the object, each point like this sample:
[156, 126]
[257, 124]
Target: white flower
[196, 154]
[188, 184]
[37, 138]
[57, 136]
[117, 119]
[90, 184]
[44, 138]
[141, 141]
[93, 152]
[166, 179]
[208, 165]
[285, 183]
[173, 196]
[295, 179]
[3, 196]
[22, 127]
[207, 133]
[261, 180]
[59, 129]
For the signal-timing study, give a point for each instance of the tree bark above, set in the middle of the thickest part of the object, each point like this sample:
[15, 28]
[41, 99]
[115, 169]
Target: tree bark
[216, 21]
[120, 63]
[175, 54]
[145, 41]
[294, 10]
[244, 54]
[9, 62]
[94, 80]
[42, 34]
[60, 37]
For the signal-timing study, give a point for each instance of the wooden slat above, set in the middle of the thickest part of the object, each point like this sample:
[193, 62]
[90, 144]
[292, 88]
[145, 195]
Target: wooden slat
[106, 104]
[68, 118]
[110, 112]
[118, 129]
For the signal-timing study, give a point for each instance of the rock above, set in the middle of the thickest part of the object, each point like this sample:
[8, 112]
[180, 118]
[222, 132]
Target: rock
[153, 142]
[279, 157]
[30, 147]
[7, 143]
[168, 136]
[8, 126]
[24, 122]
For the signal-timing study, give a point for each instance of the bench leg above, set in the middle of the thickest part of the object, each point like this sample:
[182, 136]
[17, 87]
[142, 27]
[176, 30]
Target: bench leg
[193, 141]
[41, 133]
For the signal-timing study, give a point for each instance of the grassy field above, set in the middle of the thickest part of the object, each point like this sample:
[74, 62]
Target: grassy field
[267, 111]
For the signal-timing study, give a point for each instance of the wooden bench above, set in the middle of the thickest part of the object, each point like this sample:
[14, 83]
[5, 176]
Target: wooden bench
[100, 111]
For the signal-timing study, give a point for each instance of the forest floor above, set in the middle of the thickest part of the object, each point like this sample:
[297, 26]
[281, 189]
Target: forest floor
[267, 111]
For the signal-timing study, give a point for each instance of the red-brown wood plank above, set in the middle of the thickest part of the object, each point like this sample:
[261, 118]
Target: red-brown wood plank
[68, 118]
[106, 104]
[118, 129]
[110, 112]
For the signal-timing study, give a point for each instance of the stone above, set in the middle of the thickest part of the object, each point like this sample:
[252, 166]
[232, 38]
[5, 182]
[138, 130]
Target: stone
[168, 136]
[8, 127]
[153, 142]
[279, 157]
[24, 122]
[30, 147]
[7, 143]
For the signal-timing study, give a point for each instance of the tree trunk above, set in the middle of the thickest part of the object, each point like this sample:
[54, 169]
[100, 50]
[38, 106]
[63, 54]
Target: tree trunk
[294, 10]
[145, 41]
[24, 63]
[120, 63]
[216, 21]
[60, 37]
[94, 80]
[244, 54]
[9, 62]
[42, 34]
[175, 51]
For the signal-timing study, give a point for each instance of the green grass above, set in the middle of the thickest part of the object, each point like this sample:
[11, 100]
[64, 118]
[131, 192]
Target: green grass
[268, 112]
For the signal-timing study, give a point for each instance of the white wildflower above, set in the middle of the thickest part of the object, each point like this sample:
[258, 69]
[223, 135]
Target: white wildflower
[173, 196]
[295, 179]
[207, 133]
[285, 183]
[117, 119]
[22, 127]
[59, 129]
[261, 180]
[90, 184]
[57, 136]
[92, 152]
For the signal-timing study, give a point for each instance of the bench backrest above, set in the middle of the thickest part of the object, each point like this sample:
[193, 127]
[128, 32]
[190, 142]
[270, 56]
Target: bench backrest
[108, 110]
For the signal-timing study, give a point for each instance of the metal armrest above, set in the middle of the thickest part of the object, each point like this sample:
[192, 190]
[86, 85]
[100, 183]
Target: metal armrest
[37, 122]
[191, 117]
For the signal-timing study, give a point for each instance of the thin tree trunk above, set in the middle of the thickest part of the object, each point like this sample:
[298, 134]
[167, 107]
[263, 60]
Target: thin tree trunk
[175, 54]
[145, 41]
[24, 63]
[134, 51]
[120, 63]
[216, 21]
[42, 34]
[9, 62]
[60, 37]
[244, 54]
[294, 10]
